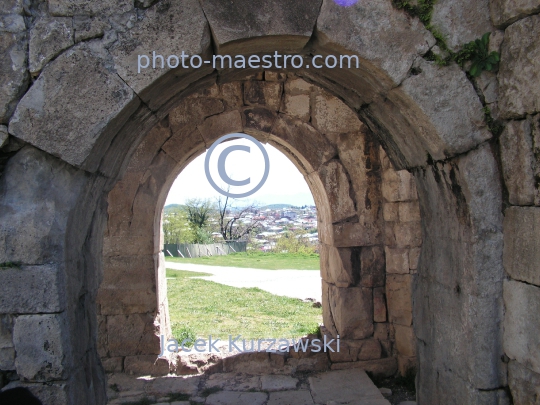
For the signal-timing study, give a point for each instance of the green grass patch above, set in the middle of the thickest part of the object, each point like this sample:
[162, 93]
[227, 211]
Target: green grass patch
[257, 260]
[201, 308]
[171, 273]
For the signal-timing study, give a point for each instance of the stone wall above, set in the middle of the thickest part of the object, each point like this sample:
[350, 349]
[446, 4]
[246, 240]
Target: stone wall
[74, 110]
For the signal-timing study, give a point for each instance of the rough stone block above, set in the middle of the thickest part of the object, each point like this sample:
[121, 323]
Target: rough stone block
[218, 125]
[521, 244]
[238, 28]
[408, 234]
[258, 121]
[391, 212]
[236, 398]
[405, 340]
[309, 146]
[375, 23]
[372, 266]
[429, 128]
[11, 7]
[522, 323]
[112, 364]
[81, 7]
[147, 37]
[267, 94]
[519, 67]
[518, 162]
[399, 298]
[461, 21]
[48, 38]
[406, 365]
[146, 365]
[505, 12]
[300, 397]
[191, 112]
[409, 211]
[297, 106]
[331, 115]
[32, 289]
[37, 194]
[42, 348]
[398, 186]
[337, 266]
[414, 257]
[7, 352]
[133, 334]
[378, 368]
[134, 272]
[296, 86]
[115, 301]
[379, 305]
[232, 95]
[397, 260]
[15, 77]
[524, 384]
[80, 76]
[352, 311]
[86, 28]
[337, 186]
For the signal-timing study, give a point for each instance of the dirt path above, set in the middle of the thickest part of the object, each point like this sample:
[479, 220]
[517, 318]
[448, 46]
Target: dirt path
[290, 283]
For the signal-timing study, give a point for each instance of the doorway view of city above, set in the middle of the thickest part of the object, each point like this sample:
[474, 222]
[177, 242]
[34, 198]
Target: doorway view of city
[245, 267]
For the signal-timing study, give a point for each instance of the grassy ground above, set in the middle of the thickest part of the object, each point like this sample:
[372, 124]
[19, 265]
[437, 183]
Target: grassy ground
[199, 308]
[258, 260]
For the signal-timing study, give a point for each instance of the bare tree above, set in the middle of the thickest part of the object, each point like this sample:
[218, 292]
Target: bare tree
[230, 219]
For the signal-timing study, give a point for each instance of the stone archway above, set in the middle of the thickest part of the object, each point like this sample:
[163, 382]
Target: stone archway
[73, 135]
[352, 182]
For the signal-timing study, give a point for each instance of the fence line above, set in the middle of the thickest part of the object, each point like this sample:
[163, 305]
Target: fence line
[198, 250]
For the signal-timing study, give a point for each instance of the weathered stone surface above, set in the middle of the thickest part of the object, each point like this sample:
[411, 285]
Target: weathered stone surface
[406, 365]
[239, 27]
[11, 7]
[353, 385]
[300, 397]
[218, 125]
[399, 297]
[112, 364]
[414, 257]
[409, 211]
[372, 266]
[173, 385]
[87, 28]
[232, 94]
[278, 383]
[48, 38]
[461, 21]
[13, 67]
[352, 311]
[81, 7]
[518, 162]
[505, 12]
[42, 347]
[234, 382]
[147, 37]
[362, 29]
[146, 364]
[337, 266]
[428, 126]
[192, 111]
[7, 351]
[297, 106]
[379, 305]
[132, 335]
[337, 186]
[31, 289]
[263, 93]
[3, 135]
[331, 115]
[82, 78]
[398, 186]
[405, 340]
[524, 384]
[378, 368]
[391, 211]
[521, 323]
[33, 232]
[309, 146]
[521, 244]
[489, 86]
[236, 398]
[519, 69]
[397, 260]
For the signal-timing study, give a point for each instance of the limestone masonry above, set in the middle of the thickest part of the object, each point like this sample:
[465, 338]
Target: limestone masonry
[426, 180]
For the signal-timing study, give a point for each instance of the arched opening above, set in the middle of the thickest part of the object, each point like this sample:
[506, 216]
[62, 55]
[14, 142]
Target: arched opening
[427, 120]
[368, 216]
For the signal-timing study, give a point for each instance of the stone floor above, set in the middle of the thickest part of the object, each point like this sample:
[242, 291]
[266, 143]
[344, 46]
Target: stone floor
[342, 387]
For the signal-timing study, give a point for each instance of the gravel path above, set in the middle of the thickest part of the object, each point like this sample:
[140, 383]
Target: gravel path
[290, 283]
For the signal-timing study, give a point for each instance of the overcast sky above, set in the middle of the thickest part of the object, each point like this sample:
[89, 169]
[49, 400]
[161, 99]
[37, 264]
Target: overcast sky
[285, 184]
